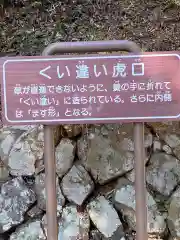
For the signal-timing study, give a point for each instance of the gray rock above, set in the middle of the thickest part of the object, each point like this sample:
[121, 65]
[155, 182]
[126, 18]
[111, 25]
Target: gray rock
[73, 224]
[169, 132]
[39, 166]
[125, 202]
[150, 237]
[35, 211]
[104, 160]
[106, 190]
[176, 151]
[105, 218]
[172, 140]
[160, 146]
[157, 145]
[15, 199]
[167, 149]
[174, 213]
[173, 238]
[29, 231]
[77, 184]
[64, 156]
[8, 137]
[4, 173]
[73, 130]
[21, 127]
[107, 153]
[165, 127]
[155, 238]
[41, 194]
[163, 173]
[173, 143]
[177, 2]
[130, 236]
[125, 135]
[96, 235]
[28, 148]
[131, 176]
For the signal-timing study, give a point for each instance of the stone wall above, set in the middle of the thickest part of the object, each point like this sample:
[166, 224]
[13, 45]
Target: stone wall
[95, 182]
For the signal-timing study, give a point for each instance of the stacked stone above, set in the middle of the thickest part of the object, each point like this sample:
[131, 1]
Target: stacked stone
[95, 182]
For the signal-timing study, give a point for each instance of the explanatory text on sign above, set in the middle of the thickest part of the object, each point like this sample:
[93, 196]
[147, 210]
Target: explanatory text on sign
[87, 89]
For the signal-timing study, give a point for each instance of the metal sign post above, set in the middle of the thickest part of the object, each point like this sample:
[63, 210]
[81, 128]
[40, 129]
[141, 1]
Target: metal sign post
[82, 89]
[141, 216]
[50, 183]
[140, 182]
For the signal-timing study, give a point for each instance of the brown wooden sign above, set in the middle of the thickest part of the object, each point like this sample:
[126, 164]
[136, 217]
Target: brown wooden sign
[91, 88]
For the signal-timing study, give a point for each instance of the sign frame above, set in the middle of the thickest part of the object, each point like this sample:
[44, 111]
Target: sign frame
[87, 119]
[49, 148]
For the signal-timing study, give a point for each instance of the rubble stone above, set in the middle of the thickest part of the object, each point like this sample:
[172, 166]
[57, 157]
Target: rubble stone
[124, 199]
[28, 148]
[73, 224]
[41, 193]
[163, 173]
[29, 231]
[15, 199]
[105, 218]
[107, 152]
[174, 213]
[64, 156]
[77, 184]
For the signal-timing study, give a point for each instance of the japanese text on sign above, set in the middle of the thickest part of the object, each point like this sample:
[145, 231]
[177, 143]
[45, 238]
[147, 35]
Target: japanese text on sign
[91, 88]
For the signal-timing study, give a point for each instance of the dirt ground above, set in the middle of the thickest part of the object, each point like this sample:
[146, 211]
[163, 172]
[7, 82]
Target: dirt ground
[26, 27]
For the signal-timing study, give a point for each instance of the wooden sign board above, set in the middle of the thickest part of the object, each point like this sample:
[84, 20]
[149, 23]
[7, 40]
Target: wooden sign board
[91, 88]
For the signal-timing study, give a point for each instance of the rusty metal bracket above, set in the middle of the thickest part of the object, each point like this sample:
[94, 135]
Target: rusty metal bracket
[140, 186]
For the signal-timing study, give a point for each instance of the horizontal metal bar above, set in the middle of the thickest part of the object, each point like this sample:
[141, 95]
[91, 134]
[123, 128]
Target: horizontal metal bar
[92, 46]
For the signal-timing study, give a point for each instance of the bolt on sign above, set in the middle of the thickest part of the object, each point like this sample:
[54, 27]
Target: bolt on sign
[91, 88]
